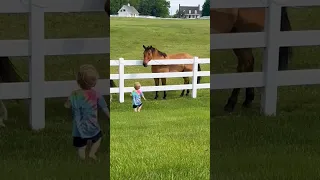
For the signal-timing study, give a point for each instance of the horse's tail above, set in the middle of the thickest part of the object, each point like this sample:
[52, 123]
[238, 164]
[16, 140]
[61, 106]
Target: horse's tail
[285, 53]
[112, 83]
[8, 72]
[107, 7]
[199, 77]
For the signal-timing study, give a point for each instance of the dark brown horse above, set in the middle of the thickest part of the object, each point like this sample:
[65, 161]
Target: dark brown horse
[234, 20]
[151, 53]
[8, 74]
[107, 10]
[107, 7]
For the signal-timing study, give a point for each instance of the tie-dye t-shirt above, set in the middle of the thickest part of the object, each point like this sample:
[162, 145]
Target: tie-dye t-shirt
[136, 97]
[84, 104]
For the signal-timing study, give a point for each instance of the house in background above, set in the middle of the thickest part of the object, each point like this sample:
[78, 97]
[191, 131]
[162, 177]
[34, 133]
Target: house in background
[190, 12]
[128, 11]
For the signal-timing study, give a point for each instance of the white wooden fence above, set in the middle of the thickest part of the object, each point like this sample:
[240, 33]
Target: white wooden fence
[37, 48]
[270, 78]
[121, 63]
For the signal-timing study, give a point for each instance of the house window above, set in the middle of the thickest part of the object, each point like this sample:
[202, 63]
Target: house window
[189, 11]
[195, 11]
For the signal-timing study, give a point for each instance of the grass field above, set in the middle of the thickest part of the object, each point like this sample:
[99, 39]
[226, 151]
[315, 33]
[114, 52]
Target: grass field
[169, 139]
[49, 154]
[247, 146]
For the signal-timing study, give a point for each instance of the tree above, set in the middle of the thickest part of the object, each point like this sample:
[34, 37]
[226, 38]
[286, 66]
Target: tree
[206, 8]
[158, 8]
[144, 7]
[179, 14]
[161, 8]
[115, 5]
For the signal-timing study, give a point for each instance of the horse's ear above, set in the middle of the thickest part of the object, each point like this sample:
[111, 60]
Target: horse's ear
[150, 46]
[144, 46]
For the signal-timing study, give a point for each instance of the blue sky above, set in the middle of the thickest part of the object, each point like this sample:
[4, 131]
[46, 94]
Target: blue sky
[175, 4]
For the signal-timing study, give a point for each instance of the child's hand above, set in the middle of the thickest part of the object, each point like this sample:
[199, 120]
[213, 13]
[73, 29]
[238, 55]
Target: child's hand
[67, 104]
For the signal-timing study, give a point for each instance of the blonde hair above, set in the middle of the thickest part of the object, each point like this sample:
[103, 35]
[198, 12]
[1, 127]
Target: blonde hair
[87, 76]
[136, 84]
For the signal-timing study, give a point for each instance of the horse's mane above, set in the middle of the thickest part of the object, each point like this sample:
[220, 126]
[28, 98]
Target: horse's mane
[155, 49]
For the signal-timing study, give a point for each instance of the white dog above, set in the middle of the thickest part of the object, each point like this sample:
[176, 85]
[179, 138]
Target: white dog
[3, 114]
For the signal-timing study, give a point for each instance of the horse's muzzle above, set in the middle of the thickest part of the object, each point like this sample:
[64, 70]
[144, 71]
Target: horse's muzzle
[144, 64]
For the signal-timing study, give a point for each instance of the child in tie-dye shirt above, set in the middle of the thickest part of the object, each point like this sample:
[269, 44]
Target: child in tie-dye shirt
[84, 103]
[136, 97]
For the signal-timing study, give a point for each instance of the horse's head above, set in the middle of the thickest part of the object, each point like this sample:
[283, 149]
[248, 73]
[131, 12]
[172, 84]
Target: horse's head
[151, 53]
[147, 54]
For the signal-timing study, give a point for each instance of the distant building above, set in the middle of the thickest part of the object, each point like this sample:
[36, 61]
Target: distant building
[190, 12]
[128, 11]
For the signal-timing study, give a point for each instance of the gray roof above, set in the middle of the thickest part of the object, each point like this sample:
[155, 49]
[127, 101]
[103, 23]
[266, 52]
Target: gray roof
[129, 9]
[193, 9]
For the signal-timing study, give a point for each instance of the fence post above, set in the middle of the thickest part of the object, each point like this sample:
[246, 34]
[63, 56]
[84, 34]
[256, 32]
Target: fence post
[195, 77]
[271, 59]
[121, 80]
[36, 66]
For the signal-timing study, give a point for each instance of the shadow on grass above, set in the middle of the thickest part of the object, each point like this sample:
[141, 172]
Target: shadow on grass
[247, 145]
[49, 150]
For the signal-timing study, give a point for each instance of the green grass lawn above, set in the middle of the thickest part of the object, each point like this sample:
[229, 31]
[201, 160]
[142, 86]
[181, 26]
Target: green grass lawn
[248, 146]
[169, 139]
[49, 154]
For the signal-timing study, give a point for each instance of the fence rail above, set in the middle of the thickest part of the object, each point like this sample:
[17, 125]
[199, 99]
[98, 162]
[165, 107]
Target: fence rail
[121, 63]
[37, 47]
[23, 6]
[271, 39]
[261, 3]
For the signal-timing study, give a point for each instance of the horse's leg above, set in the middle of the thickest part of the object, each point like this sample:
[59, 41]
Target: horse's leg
[156, 82]
[232, 101]
[164, 82]
[249, 67]
[3, 113]
[182, 92]
[187, 81]
[246, 58]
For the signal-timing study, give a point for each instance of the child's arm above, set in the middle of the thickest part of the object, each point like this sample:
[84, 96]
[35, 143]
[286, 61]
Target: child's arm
[142, 95]
[103, 105]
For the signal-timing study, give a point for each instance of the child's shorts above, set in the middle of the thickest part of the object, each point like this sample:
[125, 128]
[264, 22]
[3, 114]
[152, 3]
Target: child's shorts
[80, 142]
[136, 106]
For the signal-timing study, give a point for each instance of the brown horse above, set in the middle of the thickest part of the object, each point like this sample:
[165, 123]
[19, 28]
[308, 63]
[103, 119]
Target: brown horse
[234, 20]
[151, 53]
[8, 74]
[107, 10]
[107, 7]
